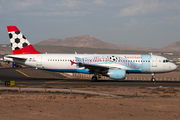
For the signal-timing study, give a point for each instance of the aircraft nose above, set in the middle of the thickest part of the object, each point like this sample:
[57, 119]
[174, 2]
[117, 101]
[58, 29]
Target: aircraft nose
[174, 67]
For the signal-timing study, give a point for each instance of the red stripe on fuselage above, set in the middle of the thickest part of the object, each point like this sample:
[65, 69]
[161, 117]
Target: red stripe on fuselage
[26, 50]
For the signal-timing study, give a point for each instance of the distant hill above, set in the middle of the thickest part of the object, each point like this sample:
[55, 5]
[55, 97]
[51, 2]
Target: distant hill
[79, 41]
[174, 47]
[88, 42]
[130, 47]
[51, 41]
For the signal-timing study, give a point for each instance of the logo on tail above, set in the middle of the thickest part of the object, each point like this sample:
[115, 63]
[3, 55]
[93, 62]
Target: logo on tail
[18, 40]
[19, 44]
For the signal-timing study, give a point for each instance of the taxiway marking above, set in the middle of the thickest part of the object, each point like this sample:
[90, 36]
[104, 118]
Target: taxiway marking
[23, 73]
[65, 75]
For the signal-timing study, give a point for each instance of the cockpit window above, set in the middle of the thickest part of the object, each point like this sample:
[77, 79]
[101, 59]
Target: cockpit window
[165, 61]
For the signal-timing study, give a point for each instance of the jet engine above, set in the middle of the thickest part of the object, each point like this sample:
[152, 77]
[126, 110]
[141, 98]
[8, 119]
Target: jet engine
[117, 73]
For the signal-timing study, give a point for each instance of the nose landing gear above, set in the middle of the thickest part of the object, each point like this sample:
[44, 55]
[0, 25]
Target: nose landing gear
[153, 78]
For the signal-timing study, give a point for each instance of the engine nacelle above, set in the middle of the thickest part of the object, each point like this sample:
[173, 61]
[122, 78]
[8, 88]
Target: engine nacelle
[117, 73]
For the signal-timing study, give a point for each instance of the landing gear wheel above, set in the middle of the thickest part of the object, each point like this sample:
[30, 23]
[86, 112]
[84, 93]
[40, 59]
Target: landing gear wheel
[153, 79]
[94, 79]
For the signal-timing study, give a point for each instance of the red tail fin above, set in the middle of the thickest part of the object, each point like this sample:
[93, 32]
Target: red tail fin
[19, 44]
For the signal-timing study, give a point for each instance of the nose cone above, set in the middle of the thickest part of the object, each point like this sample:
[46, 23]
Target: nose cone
[174, 67]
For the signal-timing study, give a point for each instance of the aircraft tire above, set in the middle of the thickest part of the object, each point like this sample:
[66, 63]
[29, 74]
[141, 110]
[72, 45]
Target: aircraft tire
[153, 79]
[94, 79]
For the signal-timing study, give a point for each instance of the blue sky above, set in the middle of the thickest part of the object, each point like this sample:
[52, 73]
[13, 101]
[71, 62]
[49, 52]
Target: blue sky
[144, 23]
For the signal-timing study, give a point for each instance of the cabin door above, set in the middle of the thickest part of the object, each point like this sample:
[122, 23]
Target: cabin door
[154, 61]
[39, 61]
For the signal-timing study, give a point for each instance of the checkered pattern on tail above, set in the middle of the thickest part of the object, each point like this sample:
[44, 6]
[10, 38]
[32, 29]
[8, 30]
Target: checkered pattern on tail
[18, 40]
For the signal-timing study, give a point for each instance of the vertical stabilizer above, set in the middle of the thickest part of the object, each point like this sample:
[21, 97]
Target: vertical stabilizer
[19, 44]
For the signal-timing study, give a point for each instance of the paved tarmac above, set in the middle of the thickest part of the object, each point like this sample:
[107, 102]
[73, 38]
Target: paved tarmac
[33, 77]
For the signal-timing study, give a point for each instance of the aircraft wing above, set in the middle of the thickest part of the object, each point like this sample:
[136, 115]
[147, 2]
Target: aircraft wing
[92, 66]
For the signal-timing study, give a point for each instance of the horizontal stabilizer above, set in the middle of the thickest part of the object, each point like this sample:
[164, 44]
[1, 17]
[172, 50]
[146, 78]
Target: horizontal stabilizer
[15, 57]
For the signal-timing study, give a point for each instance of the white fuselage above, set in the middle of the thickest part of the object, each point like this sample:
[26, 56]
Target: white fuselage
[132, 63]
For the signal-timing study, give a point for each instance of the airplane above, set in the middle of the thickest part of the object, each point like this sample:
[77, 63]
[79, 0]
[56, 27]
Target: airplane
[115, 66]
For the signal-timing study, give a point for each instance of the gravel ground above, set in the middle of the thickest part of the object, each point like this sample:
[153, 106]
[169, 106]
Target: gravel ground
[137, 103]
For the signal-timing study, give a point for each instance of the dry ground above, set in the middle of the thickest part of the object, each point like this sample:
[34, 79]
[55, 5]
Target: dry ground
[148, 103]
[159, 103]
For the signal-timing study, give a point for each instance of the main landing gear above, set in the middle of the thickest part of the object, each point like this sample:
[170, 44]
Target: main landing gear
[95, 78]
[153, 79]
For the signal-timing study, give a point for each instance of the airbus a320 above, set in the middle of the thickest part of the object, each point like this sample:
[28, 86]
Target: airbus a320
[115, 66]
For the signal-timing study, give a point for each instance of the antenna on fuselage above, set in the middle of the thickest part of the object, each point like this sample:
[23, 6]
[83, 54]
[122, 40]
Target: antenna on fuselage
[151, 53]
[75, 52]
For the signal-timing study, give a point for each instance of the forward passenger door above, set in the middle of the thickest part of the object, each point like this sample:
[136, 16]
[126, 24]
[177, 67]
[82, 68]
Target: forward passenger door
[154, 61]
